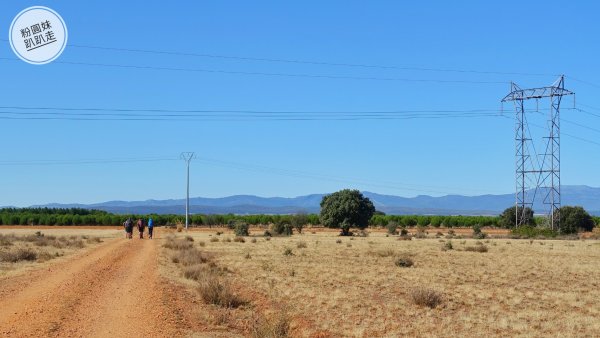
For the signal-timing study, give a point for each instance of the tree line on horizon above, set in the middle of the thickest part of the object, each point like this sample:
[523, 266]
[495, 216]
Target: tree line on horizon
[80, 216]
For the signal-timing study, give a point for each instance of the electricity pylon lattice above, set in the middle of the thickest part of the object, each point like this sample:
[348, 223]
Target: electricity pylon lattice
[531, 175]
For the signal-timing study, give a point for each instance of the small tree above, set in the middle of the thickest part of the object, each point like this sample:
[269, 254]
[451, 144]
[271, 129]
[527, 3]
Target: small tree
[392, 228]
[241, 228]
[299, 221]
[346, 208]
[508, 217]
[573, 219]
[282, 228]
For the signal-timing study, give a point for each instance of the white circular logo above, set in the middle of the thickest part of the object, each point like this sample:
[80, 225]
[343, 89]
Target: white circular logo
[38, 35]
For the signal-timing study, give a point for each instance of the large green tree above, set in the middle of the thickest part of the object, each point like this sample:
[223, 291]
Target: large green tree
[346, 208]
[508, 218]
[573, 219]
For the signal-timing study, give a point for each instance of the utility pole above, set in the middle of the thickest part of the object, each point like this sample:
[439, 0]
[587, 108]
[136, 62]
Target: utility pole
[529, 175]
[187, 157]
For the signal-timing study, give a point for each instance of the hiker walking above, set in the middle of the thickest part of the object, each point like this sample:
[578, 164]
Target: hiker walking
[128, 224]
[141, 226]
[150, 228]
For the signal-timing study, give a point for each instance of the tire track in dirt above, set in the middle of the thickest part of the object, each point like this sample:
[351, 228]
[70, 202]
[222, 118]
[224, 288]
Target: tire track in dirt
[113, 290]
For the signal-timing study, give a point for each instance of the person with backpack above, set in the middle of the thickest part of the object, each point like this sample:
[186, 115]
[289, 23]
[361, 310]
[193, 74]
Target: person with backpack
[150, 228]
[141, 226]
[128, 228]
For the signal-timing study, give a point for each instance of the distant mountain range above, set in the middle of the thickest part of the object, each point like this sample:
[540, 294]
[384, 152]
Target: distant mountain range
[585, 196]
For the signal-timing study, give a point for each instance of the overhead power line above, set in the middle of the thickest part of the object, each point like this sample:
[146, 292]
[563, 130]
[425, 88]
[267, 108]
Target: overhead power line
[8, 115]
[245, 167]
[310, 62]
[296, 75]
[53, 162]
[299, 61]
[584, 82]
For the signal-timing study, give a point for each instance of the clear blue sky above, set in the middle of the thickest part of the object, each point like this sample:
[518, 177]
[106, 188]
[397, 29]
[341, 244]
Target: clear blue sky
[288, 158]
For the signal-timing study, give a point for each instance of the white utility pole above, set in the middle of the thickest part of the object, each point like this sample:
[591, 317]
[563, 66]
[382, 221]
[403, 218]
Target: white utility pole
[187, 157]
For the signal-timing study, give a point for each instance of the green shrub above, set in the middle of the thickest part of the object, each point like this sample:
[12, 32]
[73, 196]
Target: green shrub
[573, 219]
[282, 229]
[477, 233]
[533, 232]
[241, 229]
[392, 228]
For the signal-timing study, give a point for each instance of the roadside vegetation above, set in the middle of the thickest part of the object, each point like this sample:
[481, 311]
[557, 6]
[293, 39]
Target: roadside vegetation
[39, 247]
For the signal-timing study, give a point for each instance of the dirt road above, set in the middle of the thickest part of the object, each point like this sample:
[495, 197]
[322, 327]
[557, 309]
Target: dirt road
[112, 290]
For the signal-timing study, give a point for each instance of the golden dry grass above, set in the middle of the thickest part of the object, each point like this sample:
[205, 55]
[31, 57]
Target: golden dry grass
[517, 288]
[23, 249]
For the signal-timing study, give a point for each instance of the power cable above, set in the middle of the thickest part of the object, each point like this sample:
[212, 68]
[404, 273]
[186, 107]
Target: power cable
[296, 61]
[334, 77]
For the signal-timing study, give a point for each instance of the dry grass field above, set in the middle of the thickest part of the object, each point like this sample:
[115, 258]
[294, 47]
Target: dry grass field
[200, 284]
[330, 286]
[22, 248]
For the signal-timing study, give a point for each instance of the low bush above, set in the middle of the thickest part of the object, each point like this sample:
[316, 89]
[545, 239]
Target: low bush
[385, 253]
[362, 233]
[7, 240]
[21, 254]
[178, 244]
[190, 256]
[447, 246]
[477, 248]
[404, 262]
[426, 297]
[214, 239]
[239, 239]
[392, 228]
[477, 233]
[275, 326]
[241, 228]
[420, 235]
[288, 252]
[94, 240]
[301, 245]
[282, 229]
[533, 232]
[217, 291]
[45, 256]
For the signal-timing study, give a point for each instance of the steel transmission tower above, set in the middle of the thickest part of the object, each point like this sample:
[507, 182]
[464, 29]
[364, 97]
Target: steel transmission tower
[531, 175]
[187, 157]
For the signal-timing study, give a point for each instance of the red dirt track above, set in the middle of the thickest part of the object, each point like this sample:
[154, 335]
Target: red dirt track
[111, 290]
